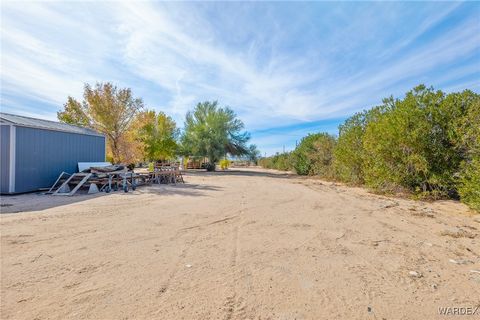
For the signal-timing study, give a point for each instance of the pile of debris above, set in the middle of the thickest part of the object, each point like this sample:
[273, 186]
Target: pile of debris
[98, 177]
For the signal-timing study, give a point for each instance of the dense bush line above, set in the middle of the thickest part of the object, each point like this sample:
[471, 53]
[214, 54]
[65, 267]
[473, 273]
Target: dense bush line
[280, 161]
[426, 144]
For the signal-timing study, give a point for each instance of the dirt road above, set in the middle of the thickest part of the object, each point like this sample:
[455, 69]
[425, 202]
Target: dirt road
[237, 245]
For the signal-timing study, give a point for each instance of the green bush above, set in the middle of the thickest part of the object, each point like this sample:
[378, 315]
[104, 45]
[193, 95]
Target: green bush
[467, 137]
[280, 161]
[469, 184]
[407, 147]
[349, 152]
[427, 144]
[314, 155]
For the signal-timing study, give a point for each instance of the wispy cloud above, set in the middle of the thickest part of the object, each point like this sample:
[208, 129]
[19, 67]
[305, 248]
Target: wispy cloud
[284, 67]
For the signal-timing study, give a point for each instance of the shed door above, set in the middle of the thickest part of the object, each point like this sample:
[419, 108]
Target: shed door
[4, 158]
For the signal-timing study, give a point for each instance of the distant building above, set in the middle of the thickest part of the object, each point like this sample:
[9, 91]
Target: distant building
[34, 151]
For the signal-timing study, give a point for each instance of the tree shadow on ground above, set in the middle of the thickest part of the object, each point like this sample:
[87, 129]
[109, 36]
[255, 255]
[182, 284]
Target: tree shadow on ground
[242, 173]
[179, 189]
[39, 201]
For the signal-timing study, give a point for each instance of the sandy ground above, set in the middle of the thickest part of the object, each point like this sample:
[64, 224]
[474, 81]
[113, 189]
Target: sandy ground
[237, 245]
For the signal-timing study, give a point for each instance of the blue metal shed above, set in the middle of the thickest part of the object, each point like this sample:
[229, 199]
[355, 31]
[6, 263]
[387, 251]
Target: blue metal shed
[35, 151]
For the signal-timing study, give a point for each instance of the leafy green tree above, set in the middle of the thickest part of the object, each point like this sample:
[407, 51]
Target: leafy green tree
[75, 113]
[157, 133]
[107, 109]
[253, 153]
[314, 155]
[213, 131]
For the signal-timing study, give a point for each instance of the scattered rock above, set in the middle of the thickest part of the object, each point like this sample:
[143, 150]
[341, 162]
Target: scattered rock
[415, 274]
[470, 250]
[301, 225]
[461, 261]
[434, 286]
[340, 237]
[458, 233]
[427, 214]
[162, 289]
[376, 242]
[391, 205]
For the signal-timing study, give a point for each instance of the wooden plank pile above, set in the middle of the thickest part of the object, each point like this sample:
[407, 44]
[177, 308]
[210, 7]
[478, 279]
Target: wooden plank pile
[107, 178]
[98, 179]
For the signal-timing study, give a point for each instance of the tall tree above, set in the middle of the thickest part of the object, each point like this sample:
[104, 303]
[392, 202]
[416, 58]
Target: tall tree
[213, 131]
[157, 133]
[107, 109]
[253, 153]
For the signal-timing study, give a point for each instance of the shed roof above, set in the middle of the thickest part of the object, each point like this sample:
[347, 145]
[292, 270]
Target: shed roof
[45, 124]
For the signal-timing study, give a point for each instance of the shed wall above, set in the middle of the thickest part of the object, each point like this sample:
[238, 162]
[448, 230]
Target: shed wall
[41, 155]
[4, 158]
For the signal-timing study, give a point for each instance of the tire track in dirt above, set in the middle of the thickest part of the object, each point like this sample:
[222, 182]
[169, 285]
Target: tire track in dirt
[230, 302]
[166, 286]
[235, 303]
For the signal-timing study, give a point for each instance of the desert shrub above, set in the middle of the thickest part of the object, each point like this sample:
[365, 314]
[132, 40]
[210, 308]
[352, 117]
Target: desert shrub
[401, 145]
[264, 162]
[224, 164]
[467, 142]
[427, 144]
[314, 155]
[280, 161]
[469, 183]
[349, 151]
[415, 143]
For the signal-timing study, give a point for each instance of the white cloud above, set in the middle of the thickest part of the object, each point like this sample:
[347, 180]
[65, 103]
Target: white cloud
[273, 68]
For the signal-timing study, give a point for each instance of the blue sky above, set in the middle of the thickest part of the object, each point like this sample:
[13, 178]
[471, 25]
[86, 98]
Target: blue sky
[286, 68]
